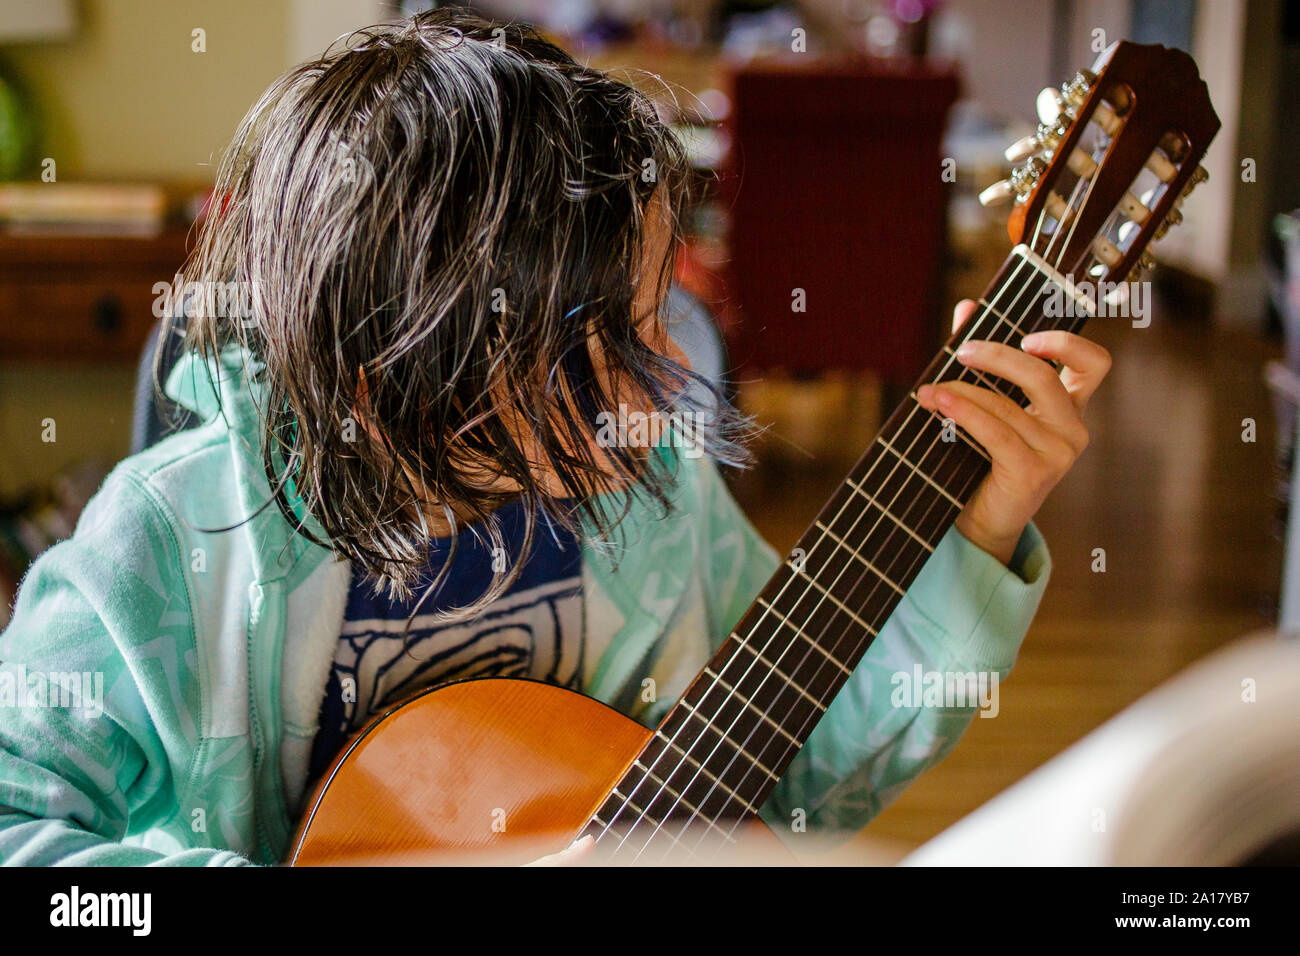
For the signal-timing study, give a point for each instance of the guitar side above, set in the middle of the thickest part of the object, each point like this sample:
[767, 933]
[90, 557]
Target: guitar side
[495, 770]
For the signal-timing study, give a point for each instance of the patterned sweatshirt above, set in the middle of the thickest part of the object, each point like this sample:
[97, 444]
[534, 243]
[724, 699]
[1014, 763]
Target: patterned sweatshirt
[211, 651]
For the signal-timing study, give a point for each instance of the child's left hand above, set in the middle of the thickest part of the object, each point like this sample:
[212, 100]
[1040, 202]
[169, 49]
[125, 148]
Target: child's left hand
[1033, 448]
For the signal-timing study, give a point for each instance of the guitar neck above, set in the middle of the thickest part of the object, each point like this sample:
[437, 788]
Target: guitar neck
[723, 746]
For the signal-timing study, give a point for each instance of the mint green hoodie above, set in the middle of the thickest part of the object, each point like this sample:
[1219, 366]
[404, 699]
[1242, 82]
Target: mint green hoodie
[214, 649]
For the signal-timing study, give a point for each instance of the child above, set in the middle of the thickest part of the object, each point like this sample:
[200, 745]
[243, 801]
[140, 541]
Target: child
[450, 264]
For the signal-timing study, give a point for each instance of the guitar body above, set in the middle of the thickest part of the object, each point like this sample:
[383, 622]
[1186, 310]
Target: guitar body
[496, 771]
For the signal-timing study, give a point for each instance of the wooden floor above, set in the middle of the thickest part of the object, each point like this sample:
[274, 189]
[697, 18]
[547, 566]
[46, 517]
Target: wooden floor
[1187, 515]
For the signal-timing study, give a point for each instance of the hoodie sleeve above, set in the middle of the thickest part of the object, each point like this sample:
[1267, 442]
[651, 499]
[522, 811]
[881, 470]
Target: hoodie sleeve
[965, 613]
[82, 763]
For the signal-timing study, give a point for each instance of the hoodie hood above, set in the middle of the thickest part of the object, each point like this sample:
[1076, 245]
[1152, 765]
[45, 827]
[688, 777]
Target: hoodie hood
[223, 387]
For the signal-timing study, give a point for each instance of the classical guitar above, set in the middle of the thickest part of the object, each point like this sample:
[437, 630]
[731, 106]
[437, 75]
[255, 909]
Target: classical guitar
[1118, 150]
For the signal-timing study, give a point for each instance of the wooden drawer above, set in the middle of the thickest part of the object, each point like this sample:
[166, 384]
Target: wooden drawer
[81, 299]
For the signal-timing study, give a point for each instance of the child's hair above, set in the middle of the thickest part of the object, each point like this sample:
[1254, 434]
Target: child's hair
[438, 225]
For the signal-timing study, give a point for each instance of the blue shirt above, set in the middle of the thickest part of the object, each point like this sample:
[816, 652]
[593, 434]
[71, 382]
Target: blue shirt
[533, 630]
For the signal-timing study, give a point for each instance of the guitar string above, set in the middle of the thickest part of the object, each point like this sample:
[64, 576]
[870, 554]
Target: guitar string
[671, 740]
[786, 655]
[1073, 326]
[690, 747]
[876, 582]
[858, 573]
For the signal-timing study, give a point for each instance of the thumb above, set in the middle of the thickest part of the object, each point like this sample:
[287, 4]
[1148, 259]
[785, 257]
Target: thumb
[575, 853]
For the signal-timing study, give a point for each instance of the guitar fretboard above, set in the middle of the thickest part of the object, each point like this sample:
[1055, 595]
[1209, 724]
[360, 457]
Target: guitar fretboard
[723, 746]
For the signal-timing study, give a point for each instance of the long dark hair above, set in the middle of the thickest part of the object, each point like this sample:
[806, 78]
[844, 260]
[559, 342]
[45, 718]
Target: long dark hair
[440, 225]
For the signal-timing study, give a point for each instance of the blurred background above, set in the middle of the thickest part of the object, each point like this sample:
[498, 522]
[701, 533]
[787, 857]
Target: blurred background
[821, 132]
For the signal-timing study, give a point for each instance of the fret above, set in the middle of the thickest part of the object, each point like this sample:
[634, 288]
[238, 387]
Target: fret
[1014, 325]
[745, 726]
[669, 743]
[678, 800]
[953, 370]
[726, 742]
[989, 382]
[924, 477]
[862, 591]
[768, 693]
[932, 450]
[771, 609]
[886, 512]
[674, 762]
[897, 554]
[861, 560]
[638, 843]
[717, 764]
[646, 771]
[847, 611]
[679, 792]
[789, 681]
[943, 462]
[707, 723]
[772, 626]
[960, 432]
[1041, 282]
[718, 679]
[648, 774]
[639, 811]
[611, 806]
[1006, 326]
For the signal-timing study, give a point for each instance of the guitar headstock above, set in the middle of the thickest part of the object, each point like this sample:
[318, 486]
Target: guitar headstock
[1117, 151]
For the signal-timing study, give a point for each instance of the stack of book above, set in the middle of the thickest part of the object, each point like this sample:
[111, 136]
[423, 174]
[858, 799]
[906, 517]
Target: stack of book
[82, 209]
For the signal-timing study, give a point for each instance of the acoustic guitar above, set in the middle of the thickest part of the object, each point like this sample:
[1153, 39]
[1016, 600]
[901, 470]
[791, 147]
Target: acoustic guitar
[1117, 151]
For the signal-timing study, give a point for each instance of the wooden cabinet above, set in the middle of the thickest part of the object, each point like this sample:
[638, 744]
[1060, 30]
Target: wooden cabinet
[82, 298]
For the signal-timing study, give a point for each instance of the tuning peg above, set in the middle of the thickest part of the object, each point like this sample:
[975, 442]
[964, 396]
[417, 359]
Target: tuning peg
[1025, 178]
[1045, 140]
[1023, 149]
[1076, 91]
[1049, 106]
[1174, 218]
[998, 193]
[1049, 137]
[1145, 264]
[1199, 175]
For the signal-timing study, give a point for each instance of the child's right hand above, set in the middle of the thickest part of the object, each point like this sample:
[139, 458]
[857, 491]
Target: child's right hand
[575, 854]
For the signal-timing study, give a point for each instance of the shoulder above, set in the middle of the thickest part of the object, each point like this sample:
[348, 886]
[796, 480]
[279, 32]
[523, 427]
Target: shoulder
[136, 534]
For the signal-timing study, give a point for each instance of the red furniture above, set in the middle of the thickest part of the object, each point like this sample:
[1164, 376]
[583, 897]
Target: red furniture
[835, 187]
